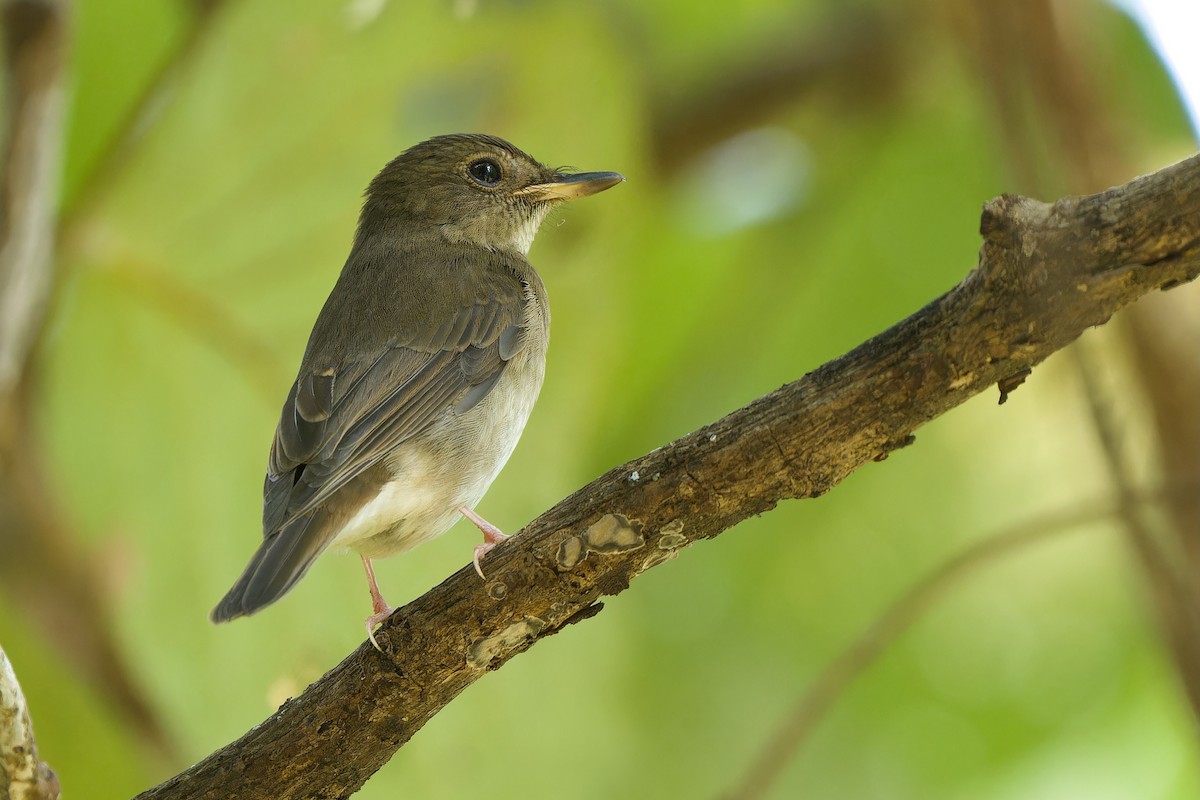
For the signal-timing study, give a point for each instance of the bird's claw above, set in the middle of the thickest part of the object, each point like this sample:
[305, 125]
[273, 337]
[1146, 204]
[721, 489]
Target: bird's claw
[492, 536]
[374, 621]
[481, 550]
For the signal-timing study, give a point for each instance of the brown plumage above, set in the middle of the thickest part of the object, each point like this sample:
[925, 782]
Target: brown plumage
[421, 369]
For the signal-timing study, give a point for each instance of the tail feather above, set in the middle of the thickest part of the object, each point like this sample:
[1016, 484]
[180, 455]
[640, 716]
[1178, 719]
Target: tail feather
[280, 561]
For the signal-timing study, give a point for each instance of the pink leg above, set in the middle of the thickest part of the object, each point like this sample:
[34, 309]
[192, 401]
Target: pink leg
[378, 604]
[492, 536]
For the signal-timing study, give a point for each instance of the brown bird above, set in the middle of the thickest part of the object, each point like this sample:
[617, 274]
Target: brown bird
[421, 369]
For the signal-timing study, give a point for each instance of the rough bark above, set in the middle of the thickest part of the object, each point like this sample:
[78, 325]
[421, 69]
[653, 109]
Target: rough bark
[1046, 273]
[23, 775]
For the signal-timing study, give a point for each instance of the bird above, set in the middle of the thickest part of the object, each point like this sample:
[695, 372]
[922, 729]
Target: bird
[421, 370]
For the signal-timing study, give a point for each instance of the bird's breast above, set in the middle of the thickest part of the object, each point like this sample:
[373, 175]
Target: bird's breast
[452, 463]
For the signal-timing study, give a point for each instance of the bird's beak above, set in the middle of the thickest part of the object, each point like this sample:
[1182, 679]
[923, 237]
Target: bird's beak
[571, 187]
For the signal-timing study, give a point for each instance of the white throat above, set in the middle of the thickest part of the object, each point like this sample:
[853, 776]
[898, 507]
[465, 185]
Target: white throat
[523, 238]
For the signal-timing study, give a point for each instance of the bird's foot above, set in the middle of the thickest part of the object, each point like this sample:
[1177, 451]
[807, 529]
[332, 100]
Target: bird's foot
[378, 604]
[374, 621]
[492, 536]
[482, 550]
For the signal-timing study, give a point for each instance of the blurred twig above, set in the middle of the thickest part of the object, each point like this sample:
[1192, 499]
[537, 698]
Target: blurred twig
[1166, 340]
[897, 618]
[1173, 591]
[210, 321]
[853, 55]
[1046, 273]
[23, 776]
[35, 42]
[38, 564]
[140, 114]
[1022, 51]
[41, 565]
[181, 303]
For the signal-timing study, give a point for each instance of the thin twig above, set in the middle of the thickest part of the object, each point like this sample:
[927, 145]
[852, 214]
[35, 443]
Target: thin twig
[896, 619]
[35, 42]
[140, 114]
[852, 55]
[1173, 592]
[41, 564]
[208, 320]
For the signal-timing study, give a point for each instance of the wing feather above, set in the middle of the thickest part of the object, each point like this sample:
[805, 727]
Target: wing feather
[327, 436]
[343, 416]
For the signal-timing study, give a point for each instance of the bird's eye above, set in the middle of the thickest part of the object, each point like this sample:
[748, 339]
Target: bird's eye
[485, 172]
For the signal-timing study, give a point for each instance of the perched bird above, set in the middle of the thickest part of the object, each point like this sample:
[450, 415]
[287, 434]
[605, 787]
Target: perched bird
[421, 369]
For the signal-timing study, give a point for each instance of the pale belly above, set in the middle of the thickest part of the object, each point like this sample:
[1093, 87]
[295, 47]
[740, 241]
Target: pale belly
[450, 466]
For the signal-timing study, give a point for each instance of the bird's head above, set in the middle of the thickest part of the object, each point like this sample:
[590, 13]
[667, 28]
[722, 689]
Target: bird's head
[473, 188]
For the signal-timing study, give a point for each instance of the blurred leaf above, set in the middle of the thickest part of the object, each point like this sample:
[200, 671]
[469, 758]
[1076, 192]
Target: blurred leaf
[196, 274]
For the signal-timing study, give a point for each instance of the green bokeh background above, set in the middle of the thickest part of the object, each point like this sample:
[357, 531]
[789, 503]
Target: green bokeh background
[198, 264]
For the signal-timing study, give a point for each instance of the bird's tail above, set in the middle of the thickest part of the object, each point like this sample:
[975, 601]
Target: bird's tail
[280, 561]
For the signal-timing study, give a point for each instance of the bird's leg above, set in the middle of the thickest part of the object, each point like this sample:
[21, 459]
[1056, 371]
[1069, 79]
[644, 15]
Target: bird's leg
[492, 536]
[378, 604]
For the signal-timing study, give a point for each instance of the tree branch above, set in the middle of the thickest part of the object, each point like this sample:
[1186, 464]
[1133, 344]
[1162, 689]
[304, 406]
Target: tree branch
[1028, 53]
[23, 776]
[1046, 273]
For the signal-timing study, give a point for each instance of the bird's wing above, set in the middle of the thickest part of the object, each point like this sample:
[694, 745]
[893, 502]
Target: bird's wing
[340, 421]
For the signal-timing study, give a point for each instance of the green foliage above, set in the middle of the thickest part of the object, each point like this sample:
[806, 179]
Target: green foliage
[198, 265]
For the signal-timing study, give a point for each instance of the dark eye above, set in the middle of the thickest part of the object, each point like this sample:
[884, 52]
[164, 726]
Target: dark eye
[485, 172]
